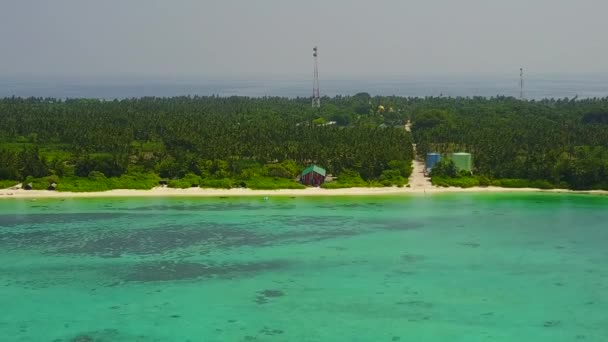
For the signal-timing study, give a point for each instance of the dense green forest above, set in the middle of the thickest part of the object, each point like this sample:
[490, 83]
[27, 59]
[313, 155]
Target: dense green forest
[198, 141]
[551, 143]
[266, 142]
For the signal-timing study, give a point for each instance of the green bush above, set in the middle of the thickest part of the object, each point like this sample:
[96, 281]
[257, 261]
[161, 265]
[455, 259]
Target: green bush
[445, 168]
[81, 184]
[222, 183]
[483, 181]
[392, 177]
[461, 182]
[346, 179]
[523, 183]
[340, 185]
[286, 169]
[511, 183]
[37, 183]
[96, 176]
[352, 179]
[190, 180]
[4, 184]
[541, 184]
[404, 167]
[134, 181]
[468, 182]
[272, 183]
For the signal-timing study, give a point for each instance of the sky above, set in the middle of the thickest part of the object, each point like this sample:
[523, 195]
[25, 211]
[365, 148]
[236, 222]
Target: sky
[274, 38]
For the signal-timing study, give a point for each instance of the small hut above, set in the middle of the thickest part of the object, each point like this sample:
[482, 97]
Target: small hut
[52, 187]
[313, 176]
[163, 182]
[28, 186]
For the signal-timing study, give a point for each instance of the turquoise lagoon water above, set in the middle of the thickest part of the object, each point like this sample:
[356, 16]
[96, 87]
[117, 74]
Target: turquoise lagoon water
[454, 267]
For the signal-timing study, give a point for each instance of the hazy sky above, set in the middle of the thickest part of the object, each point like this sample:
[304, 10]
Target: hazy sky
[275, 37]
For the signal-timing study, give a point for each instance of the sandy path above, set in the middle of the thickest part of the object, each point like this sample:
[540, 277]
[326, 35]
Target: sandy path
[417, 179]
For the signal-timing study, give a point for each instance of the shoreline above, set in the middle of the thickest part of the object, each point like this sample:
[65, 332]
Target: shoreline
[160, 192]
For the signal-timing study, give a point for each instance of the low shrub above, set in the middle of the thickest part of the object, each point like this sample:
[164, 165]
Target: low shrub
[460, 182]
[134, 181]
[222, 183]
[5, 184]
[272, 183]
[190, 180]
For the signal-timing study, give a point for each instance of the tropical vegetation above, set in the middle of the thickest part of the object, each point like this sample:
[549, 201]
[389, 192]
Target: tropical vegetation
[258, 143]
[264, 143]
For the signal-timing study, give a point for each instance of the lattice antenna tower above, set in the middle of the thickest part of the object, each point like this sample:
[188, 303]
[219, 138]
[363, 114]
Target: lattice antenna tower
[316, 92]
[521, 83]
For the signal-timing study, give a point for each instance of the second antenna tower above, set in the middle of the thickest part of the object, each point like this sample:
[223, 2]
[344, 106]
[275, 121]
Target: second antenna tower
[316, 92]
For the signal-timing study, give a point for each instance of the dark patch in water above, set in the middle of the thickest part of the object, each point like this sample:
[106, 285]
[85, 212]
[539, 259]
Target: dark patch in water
[98, 336]
[352, 206]
[206, 236]
[392, 225]
[160, 240]
[270, 332]
[311, 221]
[264, 296]
[551, 324]
[261, 300]
[170, 271]
[316, 235]
[26, 238]
[271, 293]
[470, 244]
[222, 206]
[8, 220]
[411, 258]
[417, 304]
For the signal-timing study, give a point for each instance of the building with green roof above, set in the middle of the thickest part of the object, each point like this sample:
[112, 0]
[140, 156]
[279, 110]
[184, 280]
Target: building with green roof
[313, 176]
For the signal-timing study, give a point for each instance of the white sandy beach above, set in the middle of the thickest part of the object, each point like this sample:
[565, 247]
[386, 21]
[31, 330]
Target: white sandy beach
[198, 192]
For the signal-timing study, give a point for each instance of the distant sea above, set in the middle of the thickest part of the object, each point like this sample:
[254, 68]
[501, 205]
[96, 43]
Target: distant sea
[536, 87]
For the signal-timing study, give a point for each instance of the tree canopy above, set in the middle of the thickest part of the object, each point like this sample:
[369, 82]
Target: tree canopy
[211, 137]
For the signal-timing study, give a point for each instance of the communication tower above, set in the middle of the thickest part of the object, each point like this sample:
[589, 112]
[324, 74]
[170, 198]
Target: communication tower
[316, 92]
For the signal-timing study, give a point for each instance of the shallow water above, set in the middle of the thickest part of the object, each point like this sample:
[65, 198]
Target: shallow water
[453, 267]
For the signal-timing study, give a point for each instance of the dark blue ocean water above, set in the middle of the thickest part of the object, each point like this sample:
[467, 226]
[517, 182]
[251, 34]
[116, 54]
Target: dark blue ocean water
[537, 86]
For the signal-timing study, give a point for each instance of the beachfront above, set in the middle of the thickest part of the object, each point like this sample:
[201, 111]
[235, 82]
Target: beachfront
[199, 192]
